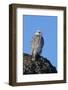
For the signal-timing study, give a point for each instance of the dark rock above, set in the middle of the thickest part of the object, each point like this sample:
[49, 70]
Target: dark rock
[39, 66]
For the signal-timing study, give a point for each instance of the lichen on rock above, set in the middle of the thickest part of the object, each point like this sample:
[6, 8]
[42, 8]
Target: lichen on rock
[41, 65]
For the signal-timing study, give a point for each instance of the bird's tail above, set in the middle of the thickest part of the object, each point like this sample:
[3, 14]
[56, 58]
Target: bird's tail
[33, 59]
[33, 56]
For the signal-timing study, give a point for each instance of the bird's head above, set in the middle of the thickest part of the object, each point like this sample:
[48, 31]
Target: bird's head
[38, 33]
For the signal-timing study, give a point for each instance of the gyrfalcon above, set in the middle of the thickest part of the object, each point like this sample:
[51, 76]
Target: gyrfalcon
[37, 44]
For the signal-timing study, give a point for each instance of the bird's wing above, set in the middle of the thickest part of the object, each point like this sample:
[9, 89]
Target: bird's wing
[42, 42]
[40, 45]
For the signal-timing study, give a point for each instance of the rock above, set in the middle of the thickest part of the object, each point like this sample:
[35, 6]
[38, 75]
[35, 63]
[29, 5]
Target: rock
[39, 66]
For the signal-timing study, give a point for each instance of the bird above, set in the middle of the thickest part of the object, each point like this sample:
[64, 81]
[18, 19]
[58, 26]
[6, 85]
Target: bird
[37, 45]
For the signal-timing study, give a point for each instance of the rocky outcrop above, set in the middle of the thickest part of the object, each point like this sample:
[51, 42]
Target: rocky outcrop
[39, 66]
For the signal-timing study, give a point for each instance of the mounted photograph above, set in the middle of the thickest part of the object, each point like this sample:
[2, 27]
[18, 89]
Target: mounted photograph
[40, 49]
[37, 44]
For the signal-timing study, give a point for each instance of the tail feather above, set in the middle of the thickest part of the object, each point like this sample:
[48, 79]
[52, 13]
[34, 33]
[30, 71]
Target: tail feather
[33, 56]
[33, 59]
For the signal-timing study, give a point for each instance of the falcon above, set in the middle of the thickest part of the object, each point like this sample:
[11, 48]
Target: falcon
[37, 45]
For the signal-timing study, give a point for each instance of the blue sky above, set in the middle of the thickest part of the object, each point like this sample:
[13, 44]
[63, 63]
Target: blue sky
[48, 26]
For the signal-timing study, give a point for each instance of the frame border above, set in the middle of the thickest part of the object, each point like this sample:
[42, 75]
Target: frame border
[13, 39]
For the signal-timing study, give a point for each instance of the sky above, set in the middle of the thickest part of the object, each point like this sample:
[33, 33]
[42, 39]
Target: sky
[48, 26]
